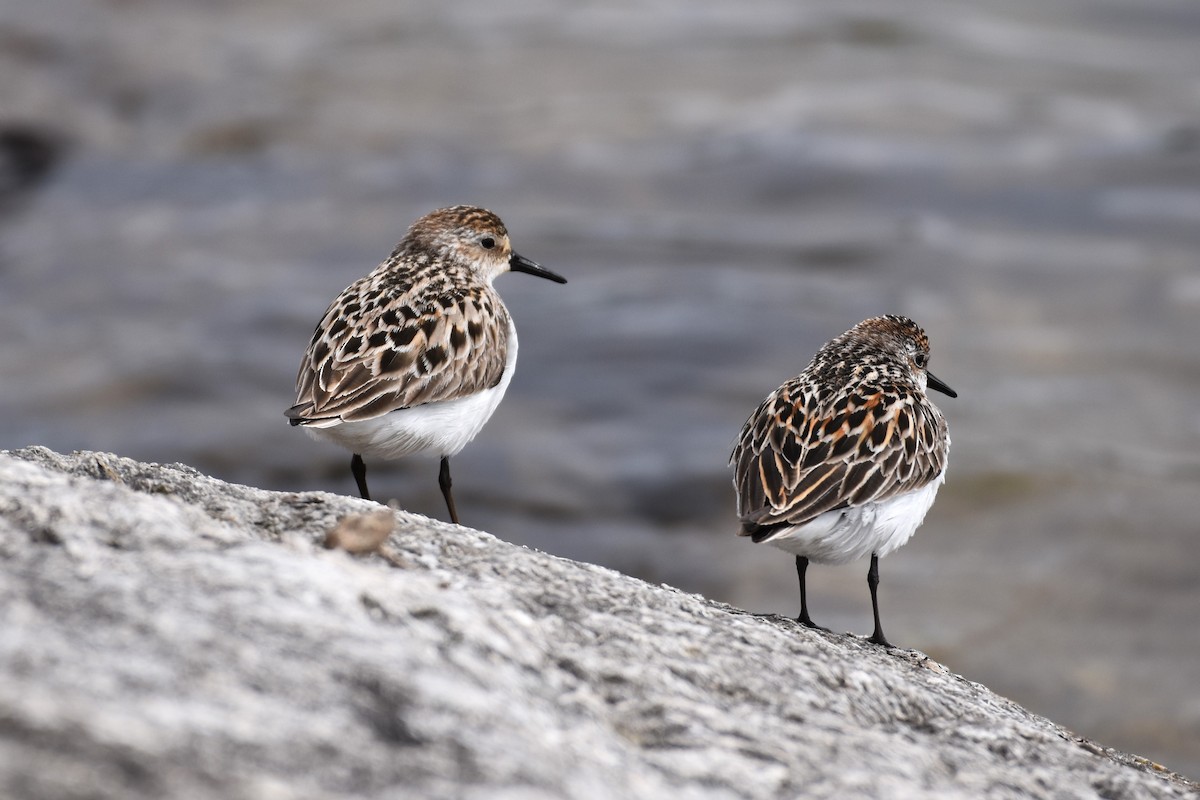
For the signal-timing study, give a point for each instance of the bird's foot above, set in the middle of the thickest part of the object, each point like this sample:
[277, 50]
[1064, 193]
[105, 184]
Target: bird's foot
[806, 621]
[878, 638]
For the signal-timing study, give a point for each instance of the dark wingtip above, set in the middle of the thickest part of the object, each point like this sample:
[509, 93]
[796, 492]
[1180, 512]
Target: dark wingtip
[760, 534]
[755, 531]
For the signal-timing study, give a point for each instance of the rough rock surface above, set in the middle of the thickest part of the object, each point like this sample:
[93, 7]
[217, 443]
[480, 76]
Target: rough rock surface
[165, 634]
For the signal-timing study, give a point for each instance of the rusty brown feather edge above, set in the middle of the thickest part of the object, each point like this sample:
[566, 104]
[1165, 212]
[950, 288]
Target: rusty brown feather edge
[796, 460]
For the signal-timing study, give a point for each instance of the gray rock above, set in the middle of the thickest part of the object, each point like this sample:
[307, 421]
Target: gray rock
[165, 634]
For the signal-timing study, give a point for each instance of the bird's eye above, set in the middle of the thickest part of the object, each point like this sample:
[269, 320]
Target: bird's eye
[920, 359]
[487, 242]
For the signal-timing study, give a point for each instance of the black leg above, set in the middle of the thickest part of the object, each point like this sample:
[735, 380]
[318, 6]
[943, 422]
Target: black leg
[359, 470]
[873, 581]
[804, 619]
[445, 482]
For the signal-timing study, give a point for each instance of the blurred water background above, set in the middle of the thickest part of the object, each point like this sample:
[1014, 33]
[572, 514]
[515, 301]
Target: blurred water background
[184, 186]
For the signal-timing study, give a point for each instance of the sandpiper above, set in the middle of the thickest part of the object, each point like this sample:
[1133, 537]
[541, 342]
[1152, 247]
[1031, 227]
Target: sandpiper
[844, 460]
[416, 355]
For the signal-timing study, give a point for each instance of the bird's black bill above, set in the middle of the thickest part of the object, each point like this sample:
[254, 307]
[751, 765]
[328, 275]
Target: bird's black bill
[933, 383]
[522, 264]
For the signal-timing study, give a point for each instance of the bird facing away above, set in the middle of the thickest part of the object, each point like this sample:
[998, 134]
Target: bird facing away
[844, 460]
[416, 355]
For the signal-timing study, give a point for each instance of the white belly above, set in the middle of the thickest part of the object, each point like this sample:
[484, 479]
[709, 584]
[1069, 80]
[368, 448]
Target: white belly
[848, 534]
[444, 427]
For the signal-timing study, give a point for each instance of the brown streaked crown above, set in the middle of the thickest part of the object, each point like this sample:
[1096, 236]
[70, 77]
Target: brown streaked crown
[455, 236]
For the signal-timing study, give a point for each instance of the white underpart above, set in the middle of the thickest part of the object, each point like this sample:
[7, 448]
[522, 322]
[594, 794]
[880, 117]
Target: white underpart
[444, 427]
[848, 534]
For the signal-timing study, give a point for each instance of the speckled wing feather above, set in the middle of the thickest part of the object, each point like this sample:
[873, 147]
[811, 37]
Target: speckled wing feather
[800, 455]
[378, 348]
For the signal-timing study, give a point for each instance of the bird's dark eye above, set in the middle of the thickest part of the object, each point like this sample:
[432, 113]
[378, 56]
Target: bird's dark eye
[921, 360]
[487, 242]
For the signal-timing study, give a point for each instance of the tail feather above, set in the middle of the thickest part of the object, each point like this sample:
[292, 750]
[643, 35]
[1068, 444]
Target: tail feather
[757, 533]
[299, 415]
